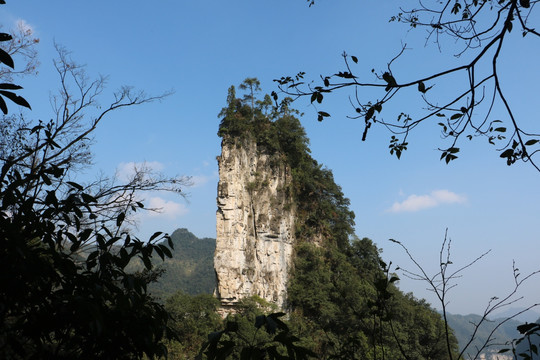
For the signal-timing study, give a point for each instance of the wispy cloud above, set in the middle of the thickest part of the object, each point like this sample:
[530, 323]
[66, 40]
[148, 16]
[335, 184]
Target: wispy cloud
[125, 171]
[25, 27]
[199, 180]
[165, 208]
[421, 202]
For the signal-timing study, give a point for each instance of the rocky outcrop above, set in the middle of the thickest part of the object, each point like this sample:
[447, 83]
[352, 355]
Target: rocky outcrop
[255, 224]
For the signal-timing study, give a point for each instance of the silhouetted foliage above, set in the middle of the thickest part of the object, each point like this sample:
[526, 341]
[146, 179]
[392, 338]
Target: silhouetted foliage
[64, 247]
[461, 98]
[6, 89]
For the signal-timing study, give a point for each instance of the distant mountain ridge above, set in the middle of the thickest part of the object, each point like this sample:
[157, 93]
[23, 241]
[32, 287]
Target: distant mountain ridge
[527, 316]
[463, 326]
[191, 269]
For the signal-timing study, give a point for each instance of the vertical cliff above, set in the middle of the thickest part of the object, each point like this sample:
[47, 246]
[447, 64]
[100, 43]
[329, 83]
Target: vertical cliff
[255, 224]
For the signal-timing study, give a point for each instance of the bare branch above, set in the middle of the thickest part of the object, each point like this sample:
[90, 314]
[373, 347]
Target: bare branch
[480, 27]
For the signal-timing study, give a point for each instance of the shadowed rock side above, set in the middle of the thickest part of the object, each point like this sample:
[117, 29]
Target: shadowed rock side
[255, 225]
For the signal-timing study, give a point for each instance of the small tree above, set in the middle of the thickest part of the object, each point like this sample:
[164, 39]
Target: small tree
[252, 85]
[445, 279]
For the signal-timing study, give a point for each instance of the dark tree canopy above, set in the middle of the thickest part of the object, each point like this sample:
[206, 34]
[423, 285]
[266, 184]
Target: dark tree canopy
[65, 290]
[7, 89]
[481, 31]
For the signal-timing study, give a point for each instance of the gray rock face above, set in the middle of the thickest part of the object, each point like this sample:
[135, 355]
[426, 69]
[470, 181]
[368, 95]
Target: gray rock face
[255, 225]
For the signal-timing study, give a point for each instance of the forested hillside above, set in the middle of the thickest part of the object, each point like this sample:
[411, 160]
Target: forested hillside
[343, 300]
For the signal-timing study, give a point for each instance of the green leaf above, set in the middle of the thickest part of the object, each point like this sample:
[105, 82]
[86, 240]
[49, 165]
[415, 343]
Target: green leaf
[85, 234]
[51, 199]
[324, 114]
[158, 250]
[450, 157]
[75, 246]
[509, 25]
[166, 251]
[232, 326]
[531, 142]
[526, 327]
[389, 80]
[5, 37]
[507, 153]
[500, 129]
[369, 113]
[146, 261]
[19, 100]
[120, 218]
[456, 116]
[88, 198]
[90, 260]
[155, 235]
[525, 3]
[260, 321]
[3, 106]
[355, 59]
[75, 185]
[7, 86]
[215, 336]
[6, 59]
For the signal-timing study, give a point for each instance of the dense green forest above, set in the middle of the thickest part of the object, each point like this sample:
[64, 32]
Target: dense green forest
[188, 281]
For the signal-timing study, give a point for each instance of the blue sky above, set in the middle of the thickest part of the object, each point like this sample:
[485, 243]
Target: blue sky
[200, 48]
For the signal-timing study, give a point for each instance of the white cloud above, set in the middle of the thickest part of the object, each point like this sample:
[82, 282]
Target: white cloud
[198, 180]
[25, 27]
[125, 171]
[420, 202]
[168, 209]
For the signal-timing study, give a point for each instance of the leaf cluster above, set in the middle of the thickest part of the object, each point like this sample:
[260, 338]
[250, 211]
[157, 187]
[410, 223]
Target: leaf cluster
[7, 89]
